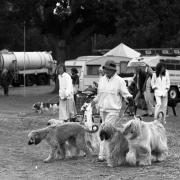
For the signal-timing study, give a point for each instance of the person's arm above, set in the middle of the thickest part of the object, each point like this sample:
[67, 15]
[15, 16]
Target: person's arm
[68, 90]
[96, 99]
[153, 81]
[124, 90]
[167, 80]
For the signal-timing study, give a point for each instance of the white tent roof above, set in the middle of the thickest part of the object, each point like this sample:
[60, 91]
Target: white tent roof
[123, 50]
[101, 60]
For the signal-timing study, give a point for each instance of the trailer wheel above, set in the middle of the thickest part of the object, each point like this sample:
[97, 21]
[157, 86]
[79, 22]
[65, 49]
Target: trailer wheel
[173, 93]
[29, 80]
[15, 84]
[42, 79]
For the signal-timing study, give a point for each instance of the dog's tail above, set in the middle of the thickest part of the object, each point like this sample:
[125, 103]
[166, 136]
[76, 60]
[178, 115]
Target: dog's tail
[104, 135]
[95, 128]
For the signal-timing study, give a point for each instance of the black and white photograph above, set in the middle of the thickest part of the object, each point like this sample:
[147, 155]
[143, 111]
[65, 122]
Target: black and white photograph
[89, 90]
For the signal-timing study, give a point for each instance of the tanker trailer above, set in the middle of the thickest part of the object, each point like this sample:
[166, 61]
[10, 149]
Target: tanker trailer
[36, 66]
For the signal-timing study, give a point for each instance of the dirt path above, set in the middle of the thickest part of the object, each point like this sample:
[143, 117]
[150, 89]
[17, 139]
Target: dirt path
[20, 161]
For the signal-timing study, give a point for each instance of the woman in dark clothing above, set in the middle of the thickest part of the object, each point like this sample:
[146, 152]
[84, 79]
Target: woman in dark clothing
[139, 79]
[5, 81]
[75, 81]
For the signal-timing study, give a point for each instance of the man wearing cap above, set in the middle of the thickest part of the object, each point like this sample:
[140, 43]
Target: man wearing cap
[111, 89]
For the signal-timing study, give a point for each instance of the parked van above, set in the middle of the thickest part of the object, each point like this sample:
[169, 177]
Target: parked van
[80, 64]
[88, 67]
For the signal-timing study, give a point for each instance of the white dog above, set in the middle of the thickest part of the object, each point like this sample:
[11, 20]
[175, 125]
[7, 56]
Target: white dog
[92, 139]
[147, 141]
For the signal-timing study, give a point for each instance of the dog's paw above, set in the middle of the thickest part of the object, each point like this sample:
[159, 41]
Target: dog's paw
[161, 157]
[47, 160]
[146, 162]
[110, 165]
[131, 159]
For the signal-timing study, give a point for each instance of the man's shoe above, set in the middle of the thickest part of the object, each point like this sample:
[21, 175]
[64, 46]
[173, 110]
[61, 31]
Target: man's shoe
[100, 160]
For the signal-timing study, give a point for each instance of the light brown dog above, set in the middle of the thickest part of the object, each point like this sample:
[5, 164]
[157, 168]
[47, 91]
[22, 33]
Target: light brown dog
[57, 135]
[116, 144]
[147, 141]
[92, 139]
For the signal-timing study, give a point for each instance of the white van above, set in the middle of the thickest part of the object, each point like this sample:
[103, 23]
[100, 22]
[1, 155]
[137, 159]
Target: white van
[88, 67]
[80, 65]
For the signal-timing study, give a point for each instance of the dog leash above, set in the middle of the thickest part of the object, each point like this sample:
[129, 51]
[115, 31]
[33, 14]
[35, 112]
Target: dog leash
[53, 98]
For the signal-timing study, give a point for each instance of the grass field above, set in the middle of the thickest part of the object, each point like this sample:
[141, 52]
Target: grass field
[20, 161]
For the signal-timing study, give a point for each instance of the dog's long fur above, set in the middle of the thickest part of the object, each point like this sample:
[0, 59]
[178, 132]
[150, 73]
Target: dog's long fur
[116, 144]
[57, 135]
[92, 139]
[147, 141]
[41, 107]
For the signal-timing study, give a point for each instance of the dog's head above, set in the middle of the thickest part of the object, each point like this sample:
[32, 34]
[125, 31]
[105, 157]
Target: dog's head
[106, 131]
[132, 129]
[34, 138]
[37, 106]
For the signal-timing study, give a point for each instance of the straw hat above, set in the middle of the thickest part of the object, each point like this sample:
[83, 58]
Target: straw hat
[110, 65]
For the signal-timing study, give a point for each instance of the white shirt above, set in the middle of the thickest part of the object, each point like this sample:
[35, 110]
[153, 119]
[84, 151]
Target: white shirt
[110, 93]
[65, 86]
[160, 84]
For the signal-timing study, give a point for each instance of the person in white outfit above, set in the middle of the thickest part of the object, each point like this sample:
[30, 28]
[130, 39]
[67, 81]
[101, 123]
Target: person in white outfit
[111, 89]
[67, 108]
[160, 83]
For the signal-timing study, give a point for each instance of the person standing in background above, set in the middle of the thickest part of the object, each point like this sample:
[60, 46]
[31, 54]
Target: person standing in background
[5, 81]
[75, 81]
[160, 83]
[139, 80]
[67, 108]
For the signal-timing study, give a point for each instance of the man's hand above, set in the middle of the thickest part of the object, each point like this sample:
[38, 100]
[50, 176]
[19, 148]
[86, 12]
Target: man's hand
[129, 99]
[64, 99]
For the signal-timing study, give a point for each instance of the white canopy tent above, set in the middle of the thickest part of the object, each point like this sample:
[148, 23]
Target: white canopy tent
[123, 51]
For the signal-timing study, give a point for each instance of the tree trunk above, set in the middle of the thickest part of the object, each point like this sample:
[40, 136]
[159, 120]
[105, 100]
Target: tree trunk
[59, 54]
[58, 46]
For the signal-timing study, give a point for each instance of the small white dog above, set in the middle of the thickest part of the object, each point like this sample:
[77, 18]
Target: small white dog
[92, 139]
[147, 141]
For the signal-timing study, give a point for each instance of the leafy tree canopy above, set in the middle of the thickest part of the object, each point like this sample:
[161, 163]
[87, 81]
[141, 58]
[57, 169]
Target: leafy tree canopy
[140, 24]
